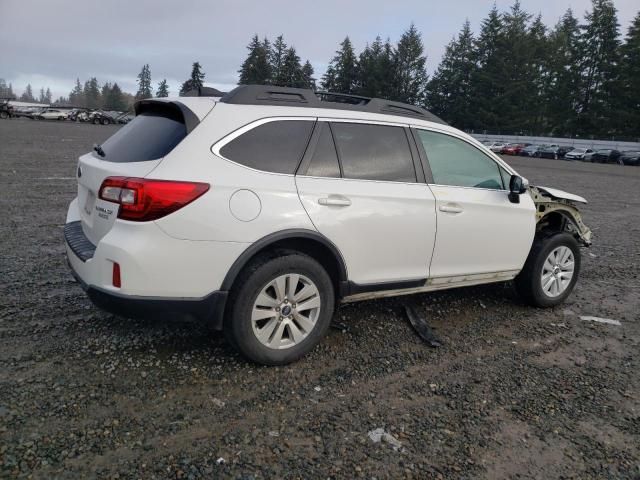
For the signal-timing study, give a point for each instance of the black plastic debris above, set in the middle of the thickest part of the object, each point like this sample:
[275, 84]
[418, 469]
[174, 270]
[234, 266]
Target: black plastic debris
[420, 325]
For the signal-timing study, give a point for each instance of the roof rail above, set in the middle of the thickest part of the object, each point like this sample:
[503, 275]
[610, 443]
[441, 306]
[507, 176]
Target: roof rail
[301, 97]
[204, 92]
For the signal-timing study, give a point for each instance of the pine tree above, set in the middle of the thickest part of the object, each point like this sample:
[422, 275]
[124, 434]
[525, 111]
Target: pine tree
[276, 61]
[47, 96]
[27, 95]
[6, 91]
[104, 96]
[488, 82]
[256, 69]
[144, 83]
[535, 109]
[629, 105]
[450, 89]
[113, 98]
[342, 73]
[599, 46]
[375, 70]
[308, 79]
[410, 72]
[195, 81]
[562, 77]
[163, 89]
[76, 97]
[291, 73]
[41, 98]
[91, 93]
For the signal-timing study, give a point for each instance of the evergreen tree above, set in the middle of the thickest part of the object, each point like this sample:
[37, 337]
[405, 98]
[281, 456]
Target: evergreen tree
[144, 83]
[410, 74]
[535, 109]
[488, 83]
[163, 89]
[276, 61]
[375, 70]
[91, 94]
[195, 81]
[450, 89]
[599, 68]
[629, 106]
[342, 73]
[113, 98]
[308, 80]
[6, 91]
[27, 95]
[256, 69]
[41, 98]
[104, 96]
[562, 77]
[76, 97]
[291, 74]
[47, 96]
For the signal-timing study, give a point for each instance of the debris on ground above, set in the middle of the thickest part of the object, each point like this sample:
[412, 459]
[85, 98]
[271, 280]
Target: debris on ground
[608, 321]
[420, 325]
[380, 435]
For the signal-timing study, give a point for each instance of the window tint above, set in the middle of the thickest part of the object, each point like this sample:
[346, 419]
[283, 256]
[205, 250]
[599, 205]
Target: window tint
[324, 162]
[148, 136]
[374, 152]
[273, 147]
[455, 162]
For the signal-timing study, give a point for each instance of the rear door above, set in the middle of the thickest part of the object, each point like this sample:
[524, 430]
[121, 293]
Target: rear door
[133, 151]
[479, 230]
[364, 193]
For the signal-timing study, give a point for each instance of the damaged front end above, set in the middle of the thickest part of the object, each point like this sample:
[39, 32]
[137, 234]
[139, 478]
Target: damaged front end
[556, 210]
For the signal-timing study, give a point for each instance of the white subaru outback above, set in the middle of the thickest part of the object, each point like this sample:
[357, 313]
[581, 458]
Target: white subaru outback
[260, 211]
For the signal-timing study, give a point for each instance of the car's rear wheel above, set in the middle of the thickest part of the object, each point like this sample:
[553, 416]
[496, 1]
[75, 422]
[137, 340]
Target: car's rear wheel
[551, 270]
[96, 121]
[105, 121]
[280, 308]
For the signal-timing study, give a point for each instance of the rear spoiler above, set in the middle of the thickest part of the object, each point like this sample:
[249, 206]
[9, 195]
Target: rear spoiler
[176, 110]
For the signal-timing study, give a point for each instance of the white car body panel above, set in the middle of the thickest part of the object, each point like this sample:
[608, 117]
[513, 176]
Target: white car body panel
[488, 233]
[391, 230]
[554, 192]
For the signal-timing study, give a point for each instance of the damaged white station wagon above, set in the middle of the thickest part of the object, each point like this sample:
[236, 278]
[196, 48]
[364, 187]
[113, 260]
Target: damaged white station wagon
[258, 212]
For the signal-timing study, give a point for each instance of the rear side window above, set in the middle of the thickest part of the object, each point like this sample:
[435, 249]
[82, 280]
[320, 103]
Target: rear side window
[149, 136]
[324, 162]
[273, 147]
[374, 152]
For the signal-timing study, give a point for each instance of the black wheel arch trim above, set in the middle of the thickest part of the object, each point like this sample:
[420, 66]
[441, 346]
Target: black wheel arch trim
[289, 234]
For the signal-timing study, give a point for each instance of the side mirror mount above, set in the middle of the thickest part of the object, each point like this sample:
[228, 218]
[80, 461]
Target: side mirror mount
[517, 186]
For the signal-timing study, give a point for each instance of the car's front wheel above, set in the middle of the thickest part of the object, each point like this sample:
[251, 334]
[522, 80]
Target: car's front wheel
[551, 270]
[280, 308]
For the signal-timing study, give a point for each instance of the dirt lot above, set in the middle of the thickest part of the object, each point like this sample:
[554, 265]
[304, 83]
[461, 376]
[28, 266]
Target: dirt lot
[513, 393]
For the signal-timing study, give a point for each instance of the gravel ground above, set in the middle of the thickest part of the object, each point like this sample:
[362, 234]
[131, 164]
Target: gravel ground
[514, 392]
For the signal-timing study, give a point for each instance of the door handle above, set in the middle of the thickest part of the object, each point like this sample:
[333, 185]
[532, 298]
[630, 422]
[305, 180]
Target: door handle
[335, 201]
[451, 208]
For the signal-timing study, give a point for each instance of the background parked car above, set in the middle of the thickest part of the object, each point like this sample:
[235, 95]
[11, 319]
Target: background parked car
[531, 150]
[606, 156]
[554, 152]
[630, 157]
[51, 114]
[496, 147]
[513, 148]
[578, 153]
[6, 110]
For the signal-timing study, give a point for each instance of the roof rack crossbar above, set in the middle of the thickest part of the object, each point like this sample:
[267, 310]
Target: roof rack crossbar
[300, 97]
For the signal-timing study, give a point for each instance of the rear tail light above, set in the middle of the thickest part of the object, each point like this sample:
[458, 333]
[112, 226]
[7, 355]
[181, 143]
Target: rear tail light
[142, 200]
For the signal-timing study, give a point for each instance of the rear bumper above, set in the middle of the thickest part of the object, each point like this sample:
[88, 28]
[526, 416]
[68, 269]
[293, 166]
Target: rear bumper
[209, 309]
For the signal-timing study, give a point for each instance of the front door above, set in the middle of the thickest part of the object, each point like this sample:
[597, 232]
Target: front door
[479, 230]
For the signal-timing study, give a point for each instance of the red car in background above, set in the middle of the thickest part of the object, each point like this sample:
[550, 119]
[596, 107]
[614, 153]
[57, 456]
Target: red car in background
[513, 148]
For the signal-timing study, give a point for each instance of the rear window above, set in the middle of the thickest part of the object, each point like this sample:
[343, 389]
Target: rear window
[275, 146]
[149, 136]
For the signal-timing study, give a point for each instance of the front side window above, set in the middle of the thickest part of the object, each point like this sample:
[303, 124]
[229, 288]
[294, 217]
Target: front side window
[457, 163]
[374, 152]
[275, 146]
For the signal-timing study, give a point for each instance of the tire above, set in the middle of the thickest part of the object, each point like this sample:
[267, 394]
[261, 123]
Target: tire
[4, 115]
[258, 279]
[105, 121]
[60, 118]
[96, 121]
[529, 282]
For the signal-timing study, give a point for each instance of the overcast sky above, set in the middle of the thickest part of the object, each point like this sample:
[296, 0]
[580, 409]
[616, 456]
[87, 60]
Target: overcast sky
[48, 43]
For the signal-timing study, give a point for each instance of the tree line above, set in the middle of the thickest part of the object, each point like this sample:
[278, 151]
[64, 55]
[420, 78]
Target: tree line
[517, 75]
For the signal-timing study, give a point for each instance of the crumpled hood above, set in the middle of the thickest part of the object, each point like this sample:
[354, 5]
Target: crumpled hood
[554, 192]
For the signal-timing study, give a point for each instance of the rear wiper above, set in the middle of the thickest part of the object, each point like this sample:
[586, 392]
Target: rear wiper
[98, 149]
